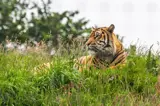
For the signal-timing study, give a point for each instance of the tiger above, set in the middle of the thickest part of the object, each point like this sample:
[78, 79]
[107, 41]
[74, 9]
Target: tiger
[104, 49]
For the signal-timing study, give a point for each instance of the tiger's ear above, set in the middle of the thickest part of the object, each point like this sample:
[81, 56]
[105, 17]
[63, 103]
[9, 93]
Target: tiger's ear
[111, 28]
[93, 28]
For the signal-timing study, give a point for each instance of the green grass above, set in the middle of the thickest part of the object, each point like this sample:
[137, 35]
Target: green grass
[131, 85]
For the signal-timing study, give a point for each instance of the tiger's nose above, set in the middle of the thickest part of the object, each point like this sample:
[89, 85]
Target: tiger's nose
[88, 43]
[97, 33]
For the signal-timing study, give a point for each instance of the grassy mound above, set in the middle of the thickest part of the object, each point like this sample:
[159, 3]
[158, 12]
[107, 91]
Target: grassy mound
[133, 84]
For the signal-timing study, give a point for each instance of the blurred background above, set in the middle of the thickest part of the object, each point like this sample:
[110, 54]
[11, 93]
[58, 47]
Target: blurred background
[56, 21]
[133, 19]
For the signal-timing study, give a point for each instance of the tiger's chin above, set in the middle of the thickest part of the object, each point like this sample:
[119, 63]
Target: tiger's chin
[100, 54]
[92, 53]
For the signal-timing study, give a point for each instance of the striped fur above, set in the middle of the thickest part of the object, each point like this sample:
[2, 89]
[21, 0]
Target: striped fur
[105, 50]
[42, 68]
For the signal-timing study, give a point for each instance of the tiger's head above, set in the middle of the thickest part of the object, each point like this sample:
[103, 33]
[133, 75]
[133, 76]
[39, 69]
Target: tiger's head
[102, 42]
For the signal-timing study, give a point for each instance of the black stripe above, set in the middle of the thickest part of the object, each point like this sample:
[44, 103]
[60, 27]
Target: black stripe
[96, 63]
[119, 61]
[119, 53]
[107, 39]
[102, 41]
[80, 61]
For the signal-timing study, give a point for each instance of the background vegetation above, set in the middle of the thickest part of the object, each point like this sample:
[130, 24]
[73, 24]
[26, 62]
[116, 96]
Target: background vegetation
[23, 20]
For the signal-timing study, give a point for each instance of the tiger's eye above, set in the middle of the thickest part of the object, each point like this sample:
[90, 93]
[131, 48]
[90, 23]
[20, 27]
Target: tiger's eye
[97, 34]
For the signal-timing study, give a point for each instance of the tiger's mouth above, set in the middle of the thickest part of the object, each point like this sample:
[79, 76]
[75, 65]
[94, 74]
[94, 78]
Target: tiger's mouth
[94, 49]
[100, 52]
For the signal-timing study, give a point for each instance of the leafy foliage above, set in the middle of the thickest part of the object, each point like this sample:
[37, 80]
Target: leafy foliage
[53, 26]
[42, 24]
[12, 18]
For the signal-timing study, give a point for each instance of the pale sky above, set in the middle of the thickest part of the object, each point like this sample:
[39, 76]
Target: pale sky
[133, 19]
